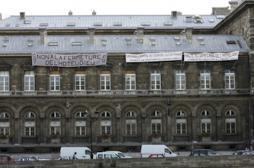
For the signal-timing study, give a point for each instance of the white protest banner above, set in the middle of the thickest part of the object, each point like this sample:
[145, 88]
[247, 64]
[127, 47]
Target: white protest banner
[154, 57]
[69, 60]
[190, 57]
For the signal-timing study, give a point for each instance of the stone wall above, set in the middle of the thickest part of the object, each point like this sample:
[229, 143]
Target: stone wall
[178, 162]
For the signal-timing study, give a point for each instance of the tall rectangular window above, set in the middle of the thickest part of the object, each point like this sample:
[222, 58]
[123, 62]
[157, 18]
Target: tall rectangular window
[4, 81]
[105, 82]
[29, 81]
[54, 81]
[106, 127]
[155, 81]
[5, 128]
[205, 80]
[130, 81]
[206, 126]
[80, 82]
[230, 126]
[181, 127]
[131, 127]
[55, 128]
[156, 126]
[229, 80]
[29, 128]
[80, 128]
[180, 80]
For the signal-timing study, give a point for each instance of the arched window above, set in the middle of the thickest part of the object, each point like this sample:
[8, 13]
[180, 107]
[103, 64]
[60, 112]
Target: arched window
[55, 115]
[206, 123]
[81, 114]
[230, 122]
[131, 124]
[131, 114]
[30, 126]
[80, 124]
[30, 115]
[5, 125]
[156, 113]
[105, 114]
[4, 115]
[180, 113]
[181, 123]
[55, 124]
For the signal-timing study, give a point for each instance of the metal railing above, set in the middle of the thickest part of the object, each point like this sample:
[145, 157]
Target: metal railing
[165, 92]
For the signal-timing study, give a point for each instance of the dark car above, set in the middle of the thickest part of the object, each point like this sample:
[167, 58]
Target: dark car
[203, 152]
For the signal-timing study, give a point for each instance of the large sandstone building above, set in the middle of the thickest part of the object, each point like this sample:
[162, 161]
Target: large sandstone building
[122, 80]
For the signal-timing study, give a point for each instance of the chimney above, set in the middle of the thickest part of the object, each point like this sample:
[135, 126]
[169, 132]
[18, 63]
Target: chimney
[188, 34]
[94, 13]
[43, 36]
[174, 14]
[22, 15]
[139, 32]
[91, 32]
[70, 13]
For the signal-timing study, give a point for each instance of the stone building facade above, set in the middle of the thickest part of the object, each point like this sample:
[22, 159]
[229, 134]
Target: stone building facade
[122, 104]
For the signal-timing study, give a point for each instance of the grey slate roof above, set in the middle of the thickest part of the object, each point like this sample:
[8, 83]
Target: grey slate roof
[122, 44]
[111, 21]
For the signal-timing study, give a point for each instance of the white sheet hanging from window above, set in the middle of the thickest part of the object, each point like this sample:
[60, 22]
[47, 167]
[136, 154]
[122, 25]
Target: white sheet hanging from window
[198, 57]
[154, 57]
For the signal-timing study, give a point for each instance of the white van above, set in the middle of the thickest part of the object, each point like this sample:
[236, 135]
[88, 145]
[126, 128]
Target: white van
[68, 153]
[149, 151]
[111, 155]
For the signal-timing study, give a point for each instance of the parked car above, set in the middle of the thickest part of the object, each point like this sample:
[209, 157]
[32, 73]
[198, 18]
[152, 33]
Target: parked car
[243, 152]
[111, 155]
[150, 151]
[203, 152]
[6, 159]
[79, 153]
[28, 159]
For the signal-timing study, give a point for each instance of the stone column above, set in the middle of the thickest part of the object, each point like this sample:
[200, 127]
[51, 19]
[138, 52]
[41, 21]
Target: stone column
[15, 78]
[41, 79]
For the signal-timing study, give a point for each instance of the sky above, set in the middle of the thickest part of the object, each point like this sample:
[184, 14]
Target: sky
[108, 7]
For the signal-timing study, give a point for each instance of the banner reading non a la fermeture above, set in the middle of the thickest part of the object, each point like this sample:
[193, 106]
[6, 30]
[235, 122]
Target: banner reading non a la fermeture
[69, 60]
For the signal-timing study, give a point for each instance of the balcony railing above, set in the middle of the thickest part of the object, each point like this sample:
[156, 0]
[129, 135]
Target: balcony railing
[166, 92]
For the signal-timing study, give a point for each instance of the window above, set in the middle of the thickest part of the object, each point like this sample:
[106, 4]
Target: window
[131, 127]
[131, 114]
[180, 80]
[4, 129]
[130, 81]
[156, 113]
[181, 128]
[155, 80]
[230, 126]
[230, 122]
[105, 82]
[30, 115]
[29, 81]
[80, 128]
[156, 126]
[229, 80]
[181, 123]
[4, 81]
[205, 126]
[55, 115]
[80, 80]
[54, 82]
[30, 128]
[106, 127]
[105, 114]
[205, 80]
[81, 114]
[4, 115]
[55, 128]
